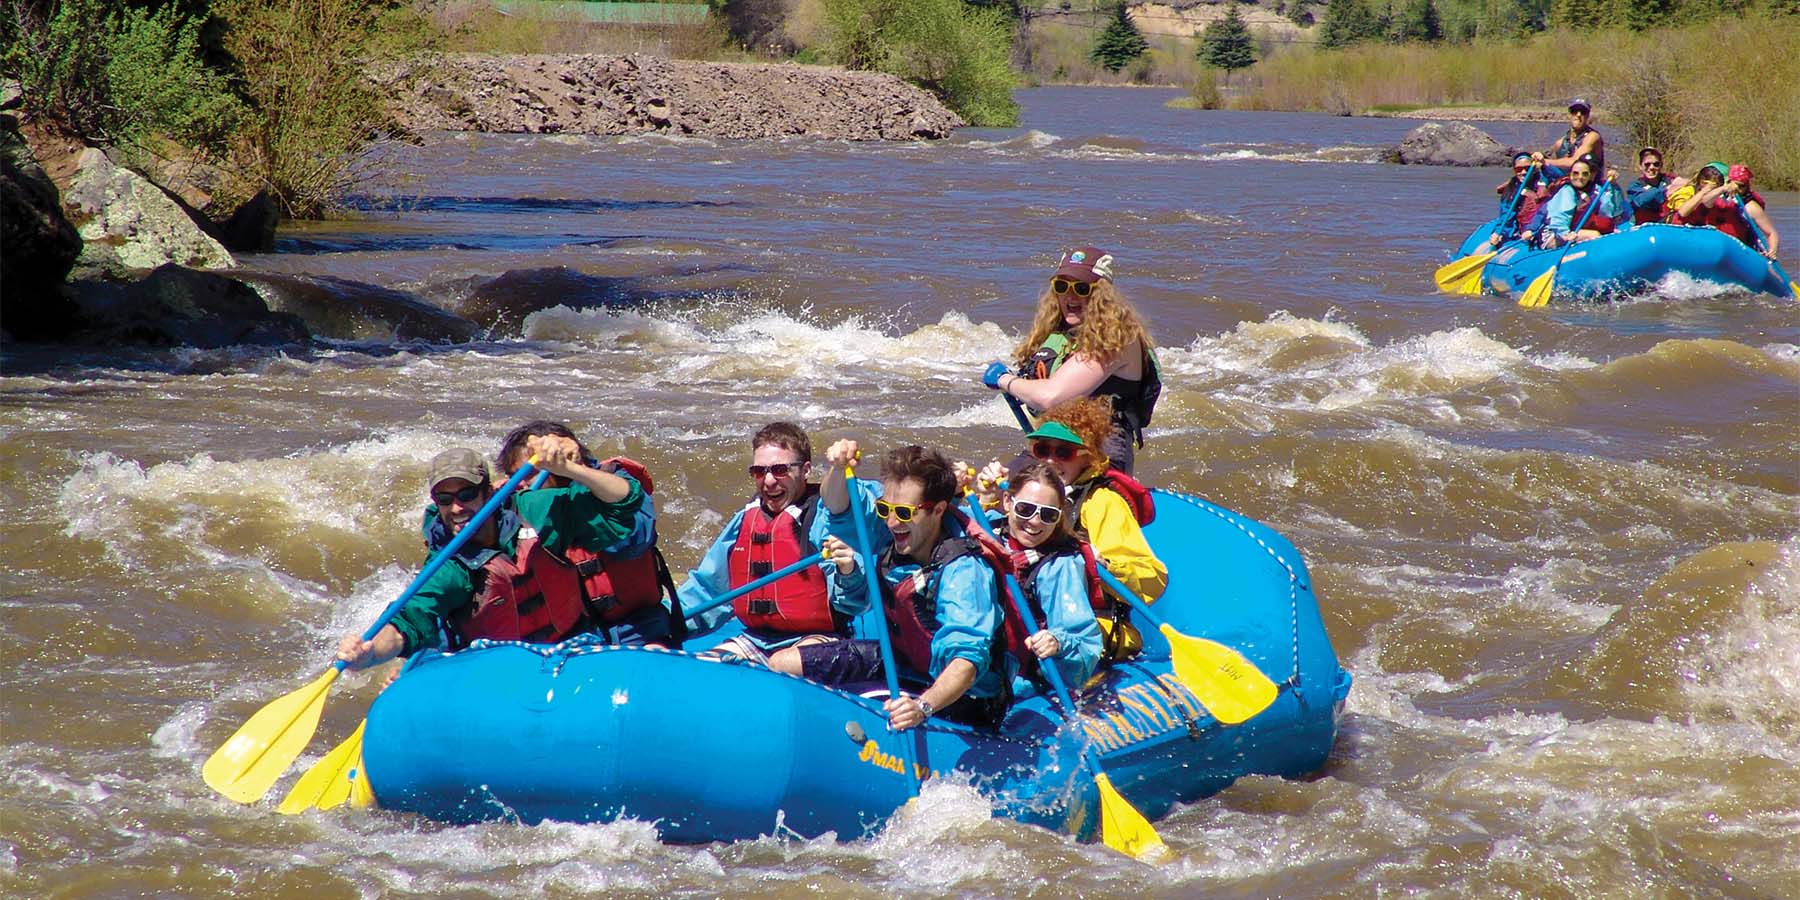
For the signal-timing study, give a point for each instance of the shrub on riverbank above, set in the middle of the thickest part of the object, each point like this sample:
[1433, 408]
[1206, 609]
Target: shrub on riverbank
[959, 52]
[1725, 89]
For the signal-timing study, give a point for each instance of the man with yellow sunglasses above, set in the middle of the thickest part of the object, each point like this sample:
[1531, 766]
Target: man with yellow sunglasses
[939, 581]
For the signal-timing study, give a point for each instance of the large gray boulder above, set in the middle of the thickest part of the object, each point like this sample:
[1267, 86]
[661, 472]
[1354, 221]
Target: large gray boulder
[1452, 144]
[37, 245]
[130, 223]
[179, 307]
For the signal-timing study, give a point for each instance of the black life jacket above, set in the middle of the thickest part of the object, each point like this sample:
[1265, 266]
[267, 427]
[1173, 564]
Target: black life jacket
[1133, 402]
[911, 605]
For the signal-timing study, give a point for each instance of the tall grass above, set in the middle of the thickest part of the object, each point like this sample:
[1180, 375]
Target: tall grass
[1724, 89]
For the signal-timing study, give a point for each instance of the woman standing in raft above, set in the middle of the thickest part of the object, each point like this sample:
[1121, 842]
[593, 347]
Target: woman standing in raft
[1086, 341]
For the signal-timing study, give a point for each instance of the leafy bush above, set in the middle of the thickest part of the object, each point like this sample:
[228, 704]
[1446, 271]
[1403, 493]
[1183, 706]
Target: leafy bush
[958, 52]
[116, 76]
[314, 117]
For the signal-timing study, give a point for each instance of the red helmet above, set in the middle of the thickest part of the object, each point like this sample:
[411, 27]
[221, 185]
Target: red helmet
[1739, 173]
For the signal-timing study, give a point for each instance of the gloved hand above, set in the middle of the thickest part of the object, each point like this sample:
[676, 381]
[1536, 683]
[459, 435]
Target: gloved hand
[991, 377]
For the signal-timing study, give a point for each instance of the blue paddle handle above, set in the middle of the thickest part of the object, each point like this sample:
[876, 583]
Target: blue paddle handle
[770, 578]
[538, 482]
[1018, 412]
[888, 666]
[1023, 610]
[1513, 204]
[443, 556]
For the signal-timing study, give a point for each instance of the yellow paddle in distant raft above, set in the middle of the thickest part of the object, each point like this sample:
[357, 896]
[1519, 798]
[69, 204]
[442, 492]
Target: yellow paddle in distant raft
[1538, 292]
[1463, 276]
[247, 765]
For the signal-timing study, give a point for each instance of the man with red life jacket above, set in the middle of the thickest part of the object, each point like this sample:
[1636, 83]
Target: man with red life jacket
[1730, 206]
[514, 578]
[1581, 140]
[939, 576]
[781, 525]
[1568, 207]
[1650, 190]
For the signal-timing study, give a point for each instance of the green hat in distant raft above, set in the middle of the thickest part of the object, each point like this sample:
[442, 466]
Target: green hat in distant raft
[1721, 167]
[1057, 431]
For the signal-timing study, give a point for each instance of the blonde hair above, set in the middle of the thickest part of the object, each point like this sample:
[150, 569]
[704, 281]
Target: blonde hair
[1108, 325]
[1090, 418]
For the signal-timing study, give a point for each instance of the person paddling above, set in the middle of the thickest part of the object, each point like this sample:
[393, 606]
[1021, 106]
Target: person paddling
[939, 579]
[512, 558]
[781, 525]
[1581, 140]
[1086, 341]
[1568, 207]
[1057, 572]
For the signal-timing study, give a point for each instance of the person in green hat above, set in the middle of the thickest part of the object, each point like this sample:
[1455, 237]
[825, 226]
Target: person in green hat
[1111, 507]
[1684, 204]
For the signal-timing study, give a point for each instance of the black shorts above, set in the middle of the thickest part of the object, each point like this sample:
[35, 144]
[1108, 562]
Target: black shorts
[859, 662]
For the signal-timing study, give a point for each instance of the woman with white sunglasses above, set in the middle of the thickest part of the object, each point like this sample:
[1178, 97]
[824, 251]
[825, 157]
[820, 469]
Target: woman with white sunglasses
[1056, 571]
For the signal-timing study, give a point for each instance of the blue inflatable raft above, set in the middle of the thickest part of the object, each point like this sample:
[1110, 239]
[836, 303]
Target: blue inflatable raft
[1633, 261]
[722, 751]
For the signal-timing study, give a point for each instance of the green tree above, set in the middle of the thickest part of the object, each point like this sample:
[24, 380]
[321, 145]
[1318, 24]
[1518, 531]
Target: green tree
[1417, 21]
[116, 75]
[1348, 22]
[1226, 43]
[1640, 15]
[959, 52]
[1578, 14]
[1120, 43]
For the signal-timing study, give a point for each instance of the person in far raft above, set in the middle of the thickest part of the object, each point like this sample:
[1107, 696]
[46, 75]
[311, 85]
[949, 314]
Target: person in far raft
[1086, 341]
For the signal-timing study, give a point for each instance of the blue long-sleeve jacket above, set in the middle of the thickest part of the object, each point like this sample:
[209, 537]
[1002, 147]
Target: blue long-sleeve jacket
[1061, 586]
[711, 577]
[967, 593]
[1559, 211]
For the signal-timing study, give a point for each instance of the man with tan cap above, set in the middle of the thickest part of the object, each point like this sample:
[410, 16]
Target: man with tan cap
[513, 580]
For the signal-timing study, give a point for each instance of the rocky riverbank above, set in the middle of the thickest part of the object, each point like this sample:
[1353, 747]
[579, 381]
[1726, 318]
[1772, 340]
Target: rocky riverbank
[609, 95]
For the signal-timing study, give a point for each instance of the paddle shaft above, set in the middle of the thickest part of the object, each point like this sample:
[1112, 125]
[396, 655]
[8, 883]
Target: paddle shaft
[873, 583]
[1513, 204]
[461, 537]
[737, 592]
[1585, 215]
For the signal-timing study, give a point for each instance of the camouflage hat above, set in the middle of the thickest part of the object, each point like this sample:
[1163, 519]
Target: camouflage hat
[459, 462]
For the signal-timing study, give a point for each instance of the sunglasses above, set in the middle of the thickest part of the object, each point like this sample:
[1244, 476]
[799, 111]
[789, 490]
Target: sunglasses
[1653, 164]
[902, 512]
[779, 470]
[466, 495]
[1025, 509]
[1062, 451]
[1065, 286]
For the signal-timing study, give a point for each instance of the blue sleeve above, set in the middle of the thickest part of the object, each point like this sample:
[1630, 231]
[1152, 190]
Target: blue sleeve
[1558, 211]
[1614, 204]
[967, 615]
[815, 539]
[1644, 196]
[711, 577]
[850, 593]
[1062, 587]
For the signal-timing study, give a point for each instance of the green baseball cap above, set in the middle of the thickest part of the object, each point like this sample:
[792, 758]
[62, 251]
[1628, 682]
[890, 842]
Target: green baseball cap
[1057, 431]
[1715, 164]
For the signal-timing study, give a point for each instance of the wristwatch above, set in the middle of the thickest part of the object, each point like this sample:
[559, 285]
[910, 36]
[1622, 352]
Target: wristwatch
[926, 708]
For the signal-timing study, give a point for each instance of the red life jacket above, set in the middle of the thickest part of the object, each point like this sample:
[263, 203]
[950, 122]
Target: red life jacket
[911, 605]
[1137, 496]
[1028, 563]
[1724, 214]
[1529, 202]
[539, 596]
[1599, 221]
[797, 604]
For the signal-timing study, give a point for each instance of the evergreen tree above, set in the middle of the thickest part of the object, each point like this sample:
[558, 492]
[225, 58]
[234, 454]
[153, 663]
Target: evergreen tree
[1226, 43]
[1578, 14]
[1418, 21]
[1348, 22]
[1639, 15]
[1120, 43]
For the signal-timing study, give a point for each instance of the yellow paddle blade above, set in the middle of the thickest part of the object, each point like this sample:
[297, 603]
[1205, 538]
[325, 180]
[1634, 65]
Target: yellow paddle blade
[327, 783]
[1538, 293]
[1472, 285]
[362, 794]
[1452, 274]
[1125, 829]
[1231, 687]
[247, 765]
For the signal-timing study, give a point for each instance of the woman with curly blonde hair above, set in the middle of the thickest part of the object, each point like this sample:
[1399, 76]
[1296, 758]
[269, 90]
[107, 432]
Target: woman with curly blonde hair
[1086, 341]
